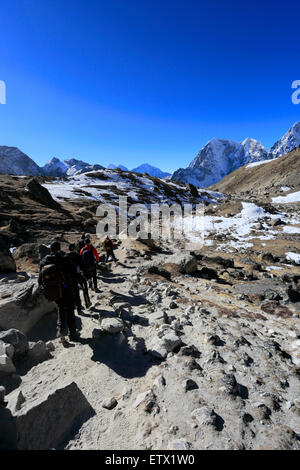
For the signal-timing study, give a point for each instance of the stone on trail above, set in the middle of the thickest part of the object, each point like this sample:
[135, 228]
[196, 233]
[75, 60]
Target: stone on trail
[50, 419]
[187, 263]
[112, 325]
[110, 403]
[205, 416]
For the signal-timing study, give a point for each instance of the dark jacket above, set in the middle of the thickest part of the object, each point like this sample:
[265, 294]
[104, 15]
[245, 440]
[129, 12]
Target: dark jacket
[76, 261]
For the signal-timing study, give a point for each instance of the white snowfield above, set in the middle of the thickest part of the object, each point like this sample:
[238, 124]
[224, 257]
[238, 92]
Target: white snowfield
[292, 197]
[236, 230]
[293, 257]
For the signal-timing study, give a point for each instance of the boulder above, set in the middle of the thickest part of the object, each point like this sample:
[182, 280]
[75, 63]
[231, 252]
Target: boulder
[23, 305]
[41, 194]
[112, 325]
[6, 349]
[110, 403]
[6, 365]
[17, 339]
[51, 417]
[205, 416]
[186, 262]
[34, 251]
[7, 263]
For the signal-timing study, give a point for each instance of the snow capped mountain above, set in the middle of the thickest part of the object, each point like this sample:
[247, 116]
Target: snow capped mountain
[15, 162]
[150, 170]
[114, 167]
[69, 167]
[76, 167]
[55, 168]
[218, 158]
[288, 142]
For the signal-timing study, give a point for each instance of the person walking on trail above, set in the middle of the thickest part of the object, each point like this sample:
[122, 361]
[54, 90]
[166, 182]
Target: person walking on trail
[79, 278]
[90, 257]
[81, 242]
[108, 248]
[56, 281]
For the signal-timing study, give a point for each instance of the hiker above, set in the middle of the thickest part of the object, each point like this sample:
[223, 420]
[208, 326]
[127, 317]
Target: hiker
[56, 281]
[108, 247]
[81, 242]
[90, 257]
[79, 278]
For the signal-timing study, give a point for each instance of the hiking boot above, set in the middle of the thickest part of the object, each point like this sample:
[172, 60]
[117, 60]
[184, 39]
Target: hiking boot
[75, 336]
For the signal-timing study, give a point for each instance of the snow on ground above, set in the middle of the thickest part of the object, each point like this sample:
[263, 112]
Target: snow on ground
[285, 188]
[251, 165]
[271, 268]
[289, 229]
[292, 197]
[90, 187]
[235, 230]
[293, 257]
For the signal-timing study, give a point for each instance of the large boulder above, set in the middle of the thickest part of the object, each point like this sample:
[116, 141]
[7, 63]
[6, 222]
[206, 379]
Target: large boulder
[186, 262]
[22, 305]
[41, 194]
[7, 263]
[50, 418]
[33, 251]
[17, 339]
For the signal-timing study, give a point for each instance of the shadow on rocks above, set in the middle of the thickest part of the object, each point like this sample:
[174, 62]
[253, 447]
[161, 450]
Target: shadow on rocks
[117, 353]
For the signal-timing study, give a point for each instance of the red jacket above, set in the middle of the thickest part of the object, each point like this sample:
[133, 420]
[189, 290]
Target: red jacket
[91, 247]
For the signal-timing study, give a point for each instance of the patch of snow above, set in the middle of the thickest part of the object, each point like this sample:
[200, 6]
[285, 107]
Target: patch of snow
[251, 165]
[289, 229]
[271, 268]
[292, 197]
[293, 257]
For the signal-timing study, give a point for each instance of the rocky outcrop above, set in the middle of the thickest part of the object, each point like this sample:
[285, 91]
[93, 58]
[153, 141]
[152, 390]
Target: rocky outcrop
[22, 305]
[41, 194]
[7, 263]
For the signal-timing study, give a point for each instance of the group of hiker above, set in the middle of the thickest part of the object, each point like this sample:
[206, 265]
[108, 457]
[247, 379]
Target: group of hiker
[63, 275]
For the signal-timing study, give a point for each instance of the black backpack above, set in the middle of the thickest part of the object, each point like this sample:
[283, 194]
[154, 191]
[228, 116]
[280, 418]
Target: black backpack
[52, 279]
[88, 259]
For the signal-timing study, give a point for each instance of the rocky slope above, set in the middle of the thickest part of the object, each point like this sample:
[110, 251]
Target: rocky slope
[179, 350]
[278, 173]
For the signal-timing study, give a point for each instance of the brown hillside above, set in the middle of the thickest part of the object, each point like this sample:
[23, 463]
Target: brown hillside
[284, 171]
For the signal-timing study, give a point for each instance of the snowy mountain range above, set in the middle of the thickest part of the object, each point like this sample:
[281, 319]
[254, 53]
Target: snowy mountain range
[216, 159]
[219, 157]
[69, 167]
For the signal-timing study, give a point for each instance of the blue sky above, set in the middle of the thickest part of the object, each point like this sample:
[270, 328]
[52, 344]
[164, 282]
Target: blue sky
[131, 81]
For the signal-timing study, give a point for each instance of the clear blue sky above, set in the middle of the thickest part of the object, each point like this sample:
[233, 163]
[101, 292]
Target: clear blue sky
[134, 81]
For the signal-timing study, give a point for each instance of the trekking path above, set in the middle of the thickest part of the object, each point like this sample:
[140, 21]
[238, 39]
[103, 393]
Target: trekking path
[231, 385]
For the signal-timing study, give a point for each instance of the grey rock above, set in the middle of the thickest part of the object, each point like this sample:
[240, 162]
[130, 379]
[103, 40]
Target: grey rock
[6, 349]
[110, 403]
[205, 416]
[2, 394]
[7, 262]
[189, 384]
[45, 422]
[6, 365]
[17, 339]
[112, 325]
[186, 262]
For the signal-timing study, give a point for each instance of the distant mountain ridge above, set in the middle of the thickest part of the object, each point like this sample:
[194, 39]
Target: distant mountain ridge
[220, 157]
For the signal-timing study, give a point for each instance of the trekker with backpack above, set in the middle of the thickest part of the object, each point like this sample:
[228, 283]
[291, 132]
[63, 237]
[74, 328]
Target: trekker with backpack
[108, 247]
[90, 257]
[56, 281]
[80, 278]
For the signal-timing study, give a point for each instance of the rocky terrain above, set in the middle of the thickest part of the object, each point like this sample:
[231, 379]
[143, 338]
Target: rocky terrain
[180, 349]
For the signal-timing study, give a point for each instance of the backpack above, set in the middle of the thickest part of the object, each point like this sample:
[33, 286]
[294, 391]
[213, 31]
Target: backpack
[80, 245]
[88, 259]
[51, 280]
